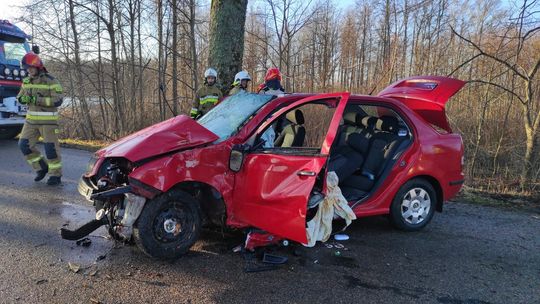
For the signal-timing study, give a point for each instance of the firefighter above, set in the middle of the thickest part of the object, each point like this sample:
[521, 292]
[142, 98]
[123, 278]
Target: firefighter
[207, 96]
[43, 94]
[272, 83]
[240, 83]
[271, 86]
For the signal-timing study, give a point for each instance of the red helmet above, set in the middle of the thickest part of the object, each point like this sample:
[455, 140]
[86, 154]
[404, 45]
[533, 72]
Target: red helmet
[272, 73]
[32, 60]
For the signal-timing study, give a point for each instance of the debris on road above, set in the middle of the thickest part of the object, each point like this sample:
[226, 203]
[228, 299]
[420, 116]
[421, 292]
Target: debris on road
[341, 237]
[274, 259]
[86, 242]
[39, 282]
[74, 267]
[101, 257]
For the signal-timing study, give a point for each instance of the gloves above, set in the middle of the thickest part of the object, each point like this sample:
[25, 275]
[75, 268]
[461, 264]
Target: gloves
[27, 99]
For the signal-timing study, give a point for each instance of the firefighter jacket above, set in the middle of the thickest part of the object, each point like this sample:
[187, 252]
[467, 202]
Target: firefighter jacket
[47, 95]
[206, 98]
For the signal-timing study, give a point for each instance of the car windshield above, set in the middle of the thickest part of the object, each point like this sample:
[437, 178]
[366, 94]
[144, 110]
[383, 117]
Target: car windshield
[228, 116]
[12, 52]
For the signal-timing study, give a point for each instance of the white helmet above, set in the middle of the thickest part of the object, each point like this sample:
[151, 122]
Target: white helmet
[241, 76]
[210, 73]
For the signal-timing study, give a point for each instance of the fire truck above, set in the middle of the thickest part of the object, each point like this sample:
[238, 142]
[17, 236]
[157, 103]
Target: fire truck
[13, 46]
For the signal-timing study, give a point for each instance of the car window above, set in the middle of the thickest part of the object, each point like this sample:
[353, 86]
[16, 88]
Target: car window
[300, 130]
[13, 52]
[227, 117]
[377, 112]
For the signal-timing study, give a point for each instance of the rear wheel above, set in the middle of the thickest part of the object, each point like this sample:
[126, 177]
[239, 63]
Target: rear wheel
[168, 225]
[9, 132]
[413, 205]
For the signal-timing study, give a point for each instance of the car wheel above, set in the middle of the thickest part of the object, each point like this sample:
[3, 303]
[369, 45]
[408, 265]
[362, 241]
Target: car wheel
[9, 132]
[168, 225]
[413, 206]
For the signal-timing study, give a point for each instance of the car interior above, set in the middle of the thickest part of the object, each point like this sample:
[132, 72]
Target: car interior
[367, 145]
[369, 140]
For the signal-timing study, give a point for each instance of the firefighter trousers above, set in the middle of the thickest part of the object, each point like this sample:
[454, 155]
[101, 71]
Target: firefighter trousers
[27, 143]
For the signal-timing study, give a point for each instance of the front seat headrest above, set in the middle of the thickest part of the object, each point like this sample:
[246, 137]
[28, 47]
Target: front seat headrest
[350, 118]
[369, 122]
[296, 117]
[387, 124]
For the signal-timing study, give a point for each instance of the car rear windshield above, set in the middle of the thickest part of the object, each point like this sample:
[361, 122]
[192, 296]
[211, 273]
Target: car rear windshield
[227, 117]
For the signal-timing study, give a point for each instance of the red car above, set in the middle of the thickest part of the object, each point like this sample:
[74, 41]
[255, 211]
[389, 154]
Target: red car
[258, 161]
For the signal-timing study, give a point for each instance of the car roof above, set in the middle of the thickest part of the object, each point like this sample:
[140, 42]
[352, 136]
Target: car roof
[291, 97]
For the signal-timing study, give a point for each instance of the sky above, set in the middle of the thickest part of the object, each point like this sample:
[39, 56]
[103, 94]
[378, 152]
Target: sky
[9, 10]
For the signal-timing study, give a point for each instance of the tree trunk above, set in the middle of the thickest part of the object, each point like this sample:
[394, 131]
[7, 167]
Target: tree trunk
[193, 42]
[227, 23]
[175, 56]
[78, 69]
[160, 59]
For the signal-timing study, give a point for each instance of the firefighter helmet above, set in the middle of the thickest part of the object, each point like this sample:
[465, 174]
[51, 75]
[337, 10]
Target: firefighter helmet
[242, 75]
[272, 73]
[210, 73]
[32, 60]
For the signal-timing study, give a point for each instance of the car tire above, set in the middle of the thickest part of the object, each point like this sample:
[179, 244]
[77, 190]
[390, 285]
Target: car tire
[413, 206]
[168, 225]
[9, 132]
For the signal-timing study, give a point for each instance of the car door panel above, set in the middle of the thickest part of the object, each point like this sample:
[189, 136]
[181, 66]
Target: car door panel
[272, 188]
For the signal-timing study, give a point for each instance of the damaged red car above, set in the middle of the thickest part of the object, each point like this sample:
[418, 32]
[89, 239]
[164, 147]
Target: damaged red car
[258, 161]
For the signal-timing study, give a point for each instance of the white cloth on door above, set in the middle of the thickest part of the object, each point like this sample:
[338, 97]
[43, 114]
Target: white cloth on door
[320, 227]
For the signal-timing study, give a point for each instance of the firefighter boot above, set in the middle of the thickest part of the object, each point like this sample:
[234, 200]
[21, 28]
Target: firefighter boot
[54, 180]
[40, 174]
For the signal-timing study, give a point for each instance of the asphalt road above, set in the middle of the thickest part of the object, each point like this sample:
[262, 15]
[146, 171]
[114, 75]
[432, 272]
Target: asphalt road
[468, 254]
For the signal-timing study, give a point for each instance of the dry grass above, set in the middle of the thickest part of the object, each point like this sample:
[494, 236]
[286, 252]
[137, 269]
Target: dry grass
[88, 145]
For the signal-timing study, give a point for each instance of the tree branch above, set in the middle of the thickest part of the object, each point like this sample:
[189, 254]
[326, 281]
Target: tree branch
[500, 87]
[483, 53]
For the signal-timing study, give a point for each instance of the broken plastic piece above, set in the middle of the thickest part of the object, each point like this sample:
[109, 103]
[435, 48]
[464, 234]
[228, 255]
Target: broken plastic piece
[74, 267]
[101, 257]
[260, 239]
[274, 259]
[341, 237]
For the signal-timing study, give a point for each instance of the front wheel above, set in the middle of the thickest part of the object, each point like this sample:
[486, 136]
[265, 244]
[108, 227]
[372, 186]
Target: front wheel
[413, 206]
[168, 225]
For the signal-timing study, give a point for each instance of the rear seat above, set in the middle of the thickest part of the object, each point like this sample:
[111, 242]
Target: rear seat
[352, 149]
[382, 146]
[351, 124]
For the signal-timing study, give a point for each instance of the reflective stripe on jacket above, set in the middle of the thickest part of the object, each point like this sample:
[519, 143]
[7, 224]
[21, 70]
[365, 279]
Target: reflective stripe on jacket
[48, 95]
[206, 98]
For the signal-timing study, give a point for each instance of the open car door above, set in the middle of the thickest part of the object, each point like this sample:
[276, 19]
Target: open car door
[274, 184]
[426, 95]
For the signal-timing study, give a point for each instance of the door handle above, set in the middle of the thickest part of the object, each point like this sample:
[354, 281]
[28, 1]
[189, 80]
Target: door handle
[306, 173]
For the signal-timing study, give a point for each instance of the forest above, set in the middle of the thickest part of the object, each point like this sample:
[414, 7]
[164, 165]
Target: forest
[126, 64]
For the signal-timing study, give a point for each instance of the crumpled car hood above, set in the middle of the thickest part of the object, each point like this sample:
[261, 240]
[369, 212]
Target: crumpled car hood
[177, 133]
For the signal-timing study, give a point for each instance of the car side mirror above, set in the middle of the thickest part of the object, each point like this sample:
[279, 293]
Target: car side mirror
[237, 157]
